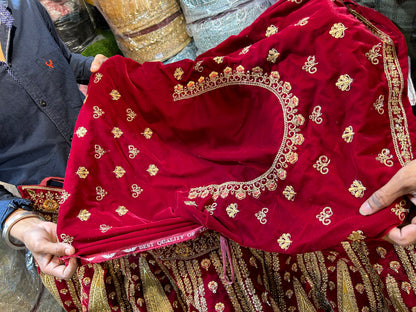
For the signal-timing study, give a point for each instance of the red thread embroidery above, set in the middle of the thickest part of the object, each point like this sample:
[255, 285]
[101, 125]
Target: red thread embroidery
[49, 63]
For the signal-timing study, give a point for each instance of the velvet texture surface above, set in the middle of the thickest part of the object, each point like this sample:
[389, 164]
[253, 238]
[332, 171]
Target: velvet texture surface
[274, 138]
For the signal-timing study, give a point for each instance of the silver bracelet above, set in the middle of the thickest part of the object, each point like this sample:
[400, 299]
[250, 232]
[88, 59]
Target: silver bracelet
[9, 224]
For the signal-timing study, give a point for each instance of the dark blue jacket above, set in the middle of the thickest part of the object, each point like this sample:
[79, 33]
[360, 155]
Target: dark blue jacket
[39, 99]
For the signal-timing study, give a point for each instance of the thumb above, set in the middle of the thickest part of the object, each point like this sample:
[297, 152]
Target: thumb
[56, 249]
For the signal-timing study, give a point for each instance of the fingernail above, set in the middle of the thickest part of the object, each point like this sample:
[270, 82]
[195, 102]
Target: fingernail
[365, 209]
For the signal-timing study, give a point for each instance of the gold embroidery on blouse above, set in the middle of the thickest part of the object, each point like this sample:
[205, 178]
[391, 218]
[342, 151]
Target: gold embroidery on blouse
[357, 189]
[289, 192]
[66, 238]
[198, 66]
[310, 65]
[316, 115]
[400, 211]
[385, 157]
[100, 193]
[64, 196]
[271, 30]
[178, 73]
[302, 22]
[115, 95]
[152, 170]
[147, 133]
[291, 137]
[84, 215]
[121, 210]
[105, 228]
[119, 172]
[397, 116]
[245, 50]
[117, 132]
[344, 82]
[130, 114]
[211, 208]
[133, 151]
[99, 151]
[82, 172]
[373, 54]
[395, 294]
[261, 215]
[285, 241]
[406, 287]
[322, 164]
[190, 85]
[219, 307]
[345, 293]
[324, 216]
[348, 134]
[98, 77]
[408, 260]
[98, 112]
[232, 210]
[356, 236]
[338, 30]
[213, 286]
[218, 59]
[136, 190]
[303, 302]
[273, 55]
[81, 132]
[379, 105]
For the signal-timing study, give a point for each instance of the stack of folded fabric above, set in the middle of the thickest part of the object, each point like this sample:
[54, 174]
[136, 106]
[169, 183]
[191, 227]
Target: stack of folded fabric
[146, 30]
[211, 22]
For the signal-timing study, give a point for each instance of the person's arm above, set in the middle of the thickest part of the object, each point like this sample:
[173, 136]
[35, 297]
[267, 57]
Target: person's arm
[401, 184]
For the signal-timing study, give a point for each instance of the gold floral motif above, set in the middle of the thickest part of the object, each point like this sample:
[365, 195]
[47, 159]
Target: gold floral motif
[379, 104]
[218, 59]
[310, 65]
[348, 134]
[178, 73]
[104, 228]
[322, 164]
[205, 264]
[133, 151]
[115, 95]
[356, 236]
[99, 151]
[302, 22]
[338, 30]
[261, 215]
[66, 238]
[136, 190]
[147, 133]
[82, 172]
[98, 112]
[373, 54]
[232, 210]
[152, 170]
[190, 84]
[130, 114]
[285, 241]
[213, 76]
[64, 196]
[211, 208]
[271, 30]
[273, 55]
[378, 268]
[344, 82]
[81, 132]
[100, 193]
[293, 120]
[98, 77]
[400, 211]
[213, 286]
[406, 287]
[324, 216]
[50, 205]
[198, 66]
[119, 172]
[316, 115]
[121, 210]
[84, 215]
[219, 307]
[385, 157]
[289, 192]
[357, 189]
[382, 252]
[395, 266]
[117, 132]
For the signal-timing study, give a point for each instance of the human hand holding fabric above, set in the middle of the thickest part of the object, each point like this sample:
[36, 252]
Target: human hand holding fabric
[40, 238]
[99, 59]
[402, 183]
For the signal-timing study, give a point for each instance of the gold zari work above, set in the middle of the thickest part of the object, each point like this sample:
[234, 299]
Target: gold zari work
[338, 30]
[385, 157]
[357, 189]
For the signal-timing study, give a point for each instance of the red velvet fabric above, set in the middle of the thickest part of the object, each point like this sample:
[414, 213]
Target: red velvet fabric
[274, 138]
